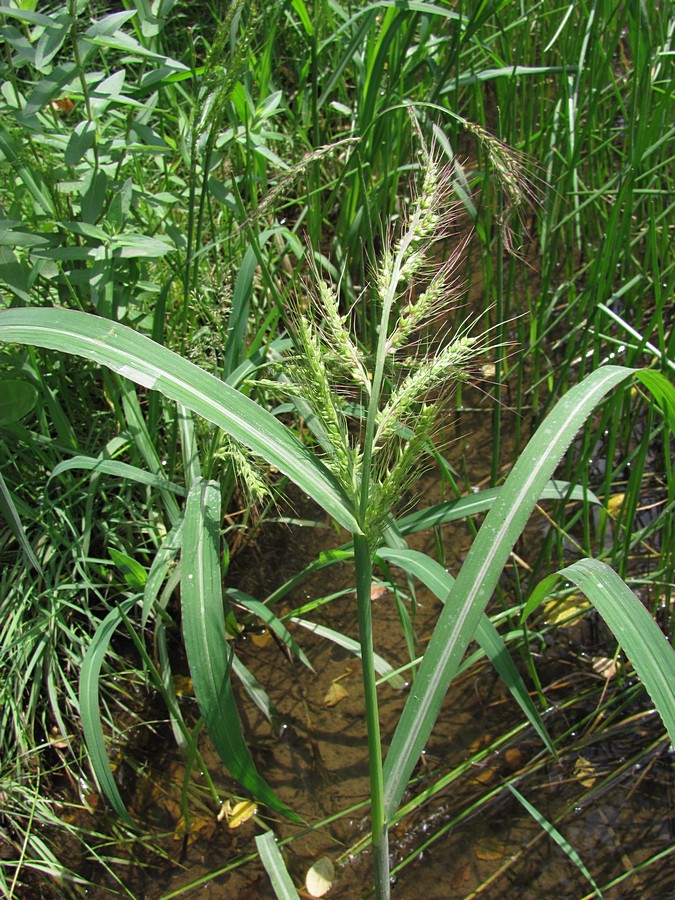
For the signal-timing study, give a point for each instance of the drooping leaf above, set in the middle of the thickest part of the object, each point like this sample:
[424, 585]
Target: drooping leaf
[205, 642]
[275, 867]
[480, 572]
[434, 576]
[89, 707]
[636, 631]
[155, 367]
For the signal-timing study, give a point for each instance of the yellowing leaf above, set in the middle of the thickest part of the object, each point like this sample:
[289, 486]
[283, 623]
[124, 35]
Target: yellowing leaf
[261, 639]
[585, 772]
[559, 612]
[615, 504]
[513, 757]
[604, 666]
[242, 812]
[182, 685]
[200, 827]
[320, 877]
[335, 694]
[489, 849]
[485, 776]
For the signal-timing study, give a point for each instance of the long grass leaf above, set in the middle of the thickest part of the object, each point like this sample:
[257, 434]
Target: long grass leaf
[382, 667]
[434, 576]
[560, 840]
[155, 367]
[10, 514]
[275, 867]
[118, 470]
[273, 623]
[89, 708]
[205, 641]
[480, 572]
[636, 631]
[452, 510]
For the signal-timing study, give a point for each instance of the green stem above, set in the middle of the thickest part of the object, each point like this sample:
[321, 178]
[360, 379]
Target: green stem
[380, 838]
[380, 357]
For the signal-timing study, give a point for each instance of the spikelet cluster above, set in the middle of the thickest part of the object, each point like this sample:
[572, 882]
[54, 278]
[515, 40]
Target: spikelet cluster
[375, 415]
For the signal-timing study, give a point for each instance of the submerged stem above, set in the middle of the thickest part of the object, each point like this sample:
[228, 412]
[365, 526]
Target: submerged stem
[380, 840]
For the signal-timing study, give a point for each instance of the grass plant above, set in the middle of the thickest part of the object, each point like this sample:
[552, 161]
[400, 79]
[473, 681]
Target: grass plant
[179, 189]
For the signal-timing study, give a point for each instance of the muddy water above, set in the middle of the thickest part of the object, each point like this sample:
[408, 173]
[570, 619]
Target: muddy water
[610, 793]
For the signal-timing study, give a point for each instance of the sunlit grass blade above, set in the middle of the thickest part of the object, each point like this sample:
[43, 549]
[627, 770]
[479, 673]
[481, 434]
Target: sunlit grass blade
[207, 649]
[9, 513]
[434, 576]
[382, 667]
[480, 573]
[89, 707]
[636, 631]
[155, 367]
[557, 837]
[275, 867]
[273, 623]
[452, 510]
[118, 469]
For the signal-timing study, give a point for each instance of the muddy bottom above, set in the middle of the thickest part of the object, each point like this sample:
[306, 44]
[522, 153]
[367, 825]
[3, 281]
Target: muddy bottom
[609, 795]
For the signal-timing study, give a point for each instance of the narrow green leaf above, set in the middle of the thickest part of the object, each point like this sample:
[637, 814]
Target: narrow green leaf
[434, 576]
[560, 840]
[89, 709]
[275, 867]
[206, 644]
[164, 557]
[662, 391]
[118, 470]
[452, 510]
[134, 573]
[382, 667]
[256, 692]
[480, 572]
[273, 622]
[155, 367]
[636, 631]
[10, 514]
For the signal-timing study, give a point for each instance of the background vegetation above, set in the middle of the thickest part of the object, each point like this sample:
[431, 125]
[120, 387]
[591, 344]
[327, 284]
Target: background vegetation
[187, 173]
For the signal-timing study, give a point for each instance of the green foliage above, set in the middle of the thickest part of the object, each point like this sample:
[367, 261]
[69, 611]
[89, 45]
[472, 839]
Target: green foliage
[238, 191]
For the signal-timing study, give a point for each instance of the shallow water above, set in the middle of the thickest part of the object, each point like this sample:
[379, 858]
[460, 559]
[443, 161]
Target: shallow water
[610, 794]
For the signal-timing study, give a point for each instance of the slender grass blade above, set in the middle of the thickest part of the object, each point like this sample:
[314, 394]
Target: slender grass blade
[480, 572]
[155, 367]
[205, 642]
[275, 867]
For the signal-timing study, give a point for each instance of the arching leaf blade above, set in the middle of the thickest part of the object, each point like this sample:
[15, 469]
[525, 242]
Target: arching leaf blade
[637, 632]
[145, 362]
[206, 644]
[480, 572]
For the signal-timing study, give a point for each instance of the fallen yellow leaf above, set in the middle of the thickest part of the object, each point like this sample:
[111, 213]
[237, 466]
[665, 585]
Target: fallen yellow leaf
[604, 666]
[585, 773]
[559, 612]
[320, 877]
[335, 694]
[241, 812]
[615, 504]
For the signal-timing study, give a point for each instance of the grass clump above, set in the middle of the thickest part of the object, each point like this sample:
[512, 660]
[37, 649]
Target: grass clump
[163, 177]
